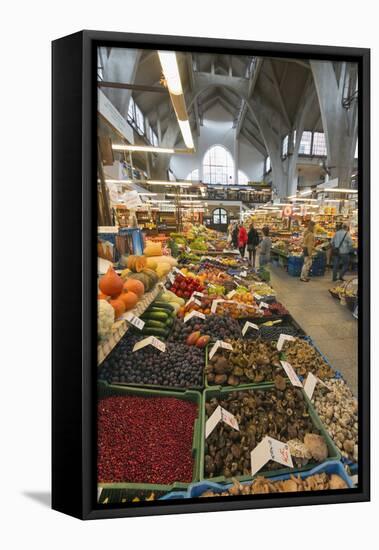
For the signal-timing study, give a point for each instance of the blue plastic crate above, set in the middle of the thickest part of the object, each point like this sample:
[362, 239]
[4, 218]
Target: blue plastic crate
[331, 467]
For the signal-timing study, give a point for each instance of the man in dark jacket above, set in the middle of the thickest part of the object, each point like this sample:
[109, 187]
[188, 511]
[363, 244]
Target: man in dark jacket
[235, 236]
[252, 243]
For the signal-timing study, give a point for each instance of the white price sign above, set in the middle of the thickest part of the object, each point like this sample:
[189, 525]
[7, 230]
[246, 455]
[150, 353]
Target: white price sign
[291, 374]
[214, 305]
[282, 338]
[133, 320]
[192, 314]
[193, 299]
[220, 415]
[270, 449]
[243, 273]
[171, 278]
[263, 305]
[219, 344]
[230, 294]
[248, 325]
[198, 294]
[176, 270]
[257, 296]
[150, 341]
[310, 384]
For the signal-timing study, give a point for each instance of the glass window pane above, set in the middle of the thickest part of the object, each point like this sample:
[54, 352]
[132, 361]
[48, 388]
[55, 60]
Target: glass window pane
[285, 146]
[319, 145]
[218, 166]
[305, 143]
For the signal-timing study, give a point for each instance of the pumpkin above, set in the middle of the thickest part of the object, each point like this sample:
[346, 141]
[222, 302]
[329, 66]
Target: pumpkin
[153, 249]
[152, 274]
[143, 278]
[151, 263]
[129, 298]
[118, 306]
[136, 263]
[110, 284]
[134, 285]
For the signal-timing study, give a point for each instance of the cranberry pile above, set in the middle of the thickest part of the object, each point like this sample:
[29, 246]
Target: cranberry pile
[145, 440]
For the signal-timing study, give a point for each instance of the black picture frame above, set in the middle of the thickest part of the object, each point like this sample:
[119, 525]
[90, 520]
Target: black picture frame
[74, 289]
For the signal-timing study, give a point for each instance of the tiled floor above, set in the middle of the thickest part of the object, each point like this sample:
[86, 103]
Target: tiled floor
[323, 318]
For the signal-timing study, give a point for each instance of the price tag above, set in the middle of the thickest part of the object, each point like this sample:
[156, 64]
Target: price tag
[310, 384]
[196, 293]
[150, 341]
[193, 299]
[257, 296]
[243, 274]
[99, 491]
[193, 313]
[291, 374]
[188, 250]
[171, 278]
[282, 339]
[270, 449]
[220, 415]
[230, 294]
[236, 277]
[263, 305]
[176, 270]
[219, 344]
[248, 325]
[133, 320]
[214, 305]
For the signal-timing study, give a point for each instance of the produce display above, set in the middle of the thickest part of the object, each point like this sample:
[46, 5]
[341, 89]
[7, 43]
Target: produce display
[304, 358]
[263, 485]
[250, 362]
[214, 326]
[145, 440]
[279, 413]
[180, 366]
[338, 410]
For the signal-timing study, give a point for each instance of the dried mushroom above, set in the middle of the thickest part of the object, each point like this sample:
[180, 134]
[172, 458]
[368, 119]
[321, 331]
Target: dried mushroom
[304, 358]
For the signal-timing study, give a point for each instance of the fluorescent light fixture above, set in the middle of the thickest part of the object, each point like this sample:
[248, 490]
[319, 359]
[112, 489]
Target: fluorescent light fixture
[303, 193]
[338, 190]
[189, 195]
[170, 70]
[168, 183]
[147, 194]
[118, 181]
[144, 148]
[159, 201]
[185, 128]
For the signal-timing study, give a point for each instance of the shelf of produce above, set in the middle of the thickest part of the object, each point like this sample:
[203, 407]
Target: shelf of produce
[120, 327]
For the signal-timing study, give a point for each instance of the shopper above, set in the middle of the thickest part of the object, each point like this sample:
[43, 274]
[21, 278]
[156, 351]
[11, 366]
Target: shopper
[265, 247]
[242, 239]
[252, 243]
[235, 236]
[342, 246]
[308, 248]
[230, 234]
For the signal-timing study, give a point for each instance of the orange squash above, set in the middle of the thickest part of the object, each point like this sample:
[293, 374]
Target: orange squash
[111, 284]
[133, 285]
[118, 306]
[129, 299]
[136, 263]
[102, 296]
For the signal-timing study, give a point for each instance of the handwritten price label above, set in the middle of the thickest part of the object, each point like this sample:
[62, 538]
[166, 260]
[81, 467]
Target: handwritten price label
[270, 449]
[133, 320]
[150, 341]
[219, 344]
[193, 299]
[310, 384]
[193, 314]
[282, 339]
[248, 325]
[263, 305]
[291, 374]
[171, 278]
[220, 415]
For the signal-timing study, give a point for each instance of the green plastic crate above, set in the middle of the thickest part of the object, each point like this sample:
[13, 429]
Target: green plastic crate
[334, 453]
[107, 390]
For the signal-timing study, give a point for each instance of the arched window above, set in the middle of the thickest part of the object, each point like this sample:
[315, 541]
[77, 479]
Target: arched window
[220, 216]
[242, 178]
[218, 166]
[193, 176]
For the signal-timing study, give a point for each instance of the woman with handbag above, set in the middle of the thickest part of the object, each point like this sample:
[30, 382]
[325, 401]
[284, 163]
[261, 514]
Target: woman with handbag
[308, 248]
[342, 245]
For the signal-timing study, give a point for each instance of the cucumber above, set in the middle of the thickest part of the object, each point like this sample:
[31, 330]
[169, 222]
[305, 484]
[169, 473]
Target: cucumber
[155, 315]
[162, 305]
[155, 324]
[169, 322]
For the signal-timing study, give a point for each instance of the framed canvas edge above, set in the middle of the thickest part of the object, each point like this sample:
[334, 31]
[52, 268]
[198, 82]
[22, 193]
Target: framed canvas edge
[87, 491]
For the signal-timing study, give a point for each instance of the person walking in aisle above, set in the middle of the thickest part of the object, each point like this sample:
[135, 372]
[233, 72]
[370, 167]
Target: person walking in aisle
[308, 248]
[235, 236]
[342, 245]
[265, 247]
[230, 234]
[252, 243]
[242, 239]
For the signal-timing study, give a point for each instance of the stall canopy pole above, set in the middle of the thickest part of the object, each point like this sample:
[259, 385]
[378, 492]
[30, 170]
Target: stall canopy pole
[104, 212]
